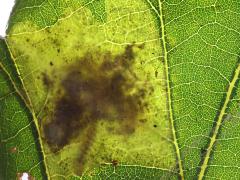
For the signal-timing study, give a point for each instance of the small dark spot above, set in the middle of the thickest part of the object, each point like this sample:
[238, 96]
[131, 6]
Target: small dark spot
[145, 104]
[203, 152]
[129, 54]
[13, 149]
[27, 39]
[48, 30]
[156, 73]
[58, 50]
[141, 46]
[51, 63]
[155, 125]
[114, 162]
[56, 42]
[143, 120]
[48, 83]
[151, 90]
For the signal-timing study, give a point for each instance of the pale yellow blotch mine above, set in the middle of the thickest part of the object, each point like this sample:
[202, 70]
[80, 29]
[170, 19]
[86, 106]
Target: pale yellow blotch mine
[127, 22]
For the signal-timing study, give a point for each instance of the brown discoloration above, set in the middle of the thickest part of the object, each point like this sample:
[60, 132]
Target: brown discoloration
[98, 87]
[143, 120]
[115, 162]
[13, 150]
[48, 83]
[24, 176]
[85, 147]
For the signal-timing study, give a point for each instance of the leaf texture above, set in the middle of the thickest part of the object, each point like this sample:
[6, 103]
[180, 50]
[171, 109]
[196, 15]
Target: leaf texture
[186, 51]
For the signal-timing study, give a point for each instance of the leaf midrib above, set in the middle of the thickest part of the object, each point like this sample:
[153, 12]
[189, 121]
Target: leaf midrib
[169, 99]
[27, 101]
[216, 129]
[165, 56]
[218, 123]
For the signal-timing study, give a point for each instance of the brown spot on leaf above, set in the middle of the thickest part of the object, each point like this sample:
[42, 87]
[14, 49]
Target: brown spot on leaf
[115, 162]
[13, 149]
[24, 176]
[47, 81]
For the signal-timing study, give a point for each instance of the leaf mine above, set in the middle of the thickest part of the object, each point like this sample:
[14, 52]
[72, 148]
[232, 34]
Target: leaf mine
[102, 89]
[99, 98]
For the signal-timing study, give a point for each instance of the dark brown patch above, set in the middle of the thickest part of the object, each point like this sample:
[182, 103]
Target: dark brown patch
[143, 120]
[48, 83]
[98, 87]
[115, 162]
[85, 147]
[51, 63]
[13, 150]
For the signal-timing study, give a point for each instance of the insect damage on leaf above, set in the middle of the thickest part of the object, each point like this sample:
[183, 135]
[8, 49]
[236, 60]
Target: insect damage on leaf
[70, 72]
[13, 150]
[24, 176]
[97, 87]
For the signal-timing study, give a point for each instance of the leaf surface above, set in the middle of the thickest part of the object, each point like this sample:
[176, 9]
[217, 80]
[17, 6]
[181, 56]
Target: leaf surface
[69, 40]
[19, 143]
[185, 58]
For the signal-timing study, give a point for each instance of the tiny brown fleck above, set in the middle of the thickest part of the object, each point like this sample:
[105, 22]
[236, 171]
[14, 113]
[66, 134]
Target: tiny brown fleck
[13, 149]
[24, 176]
[114, 162]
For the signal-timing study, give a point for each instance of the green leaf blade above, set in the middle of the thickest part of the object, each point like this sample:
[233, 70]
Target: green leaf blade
[19, 145]
[190, 57]
[201, 64]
